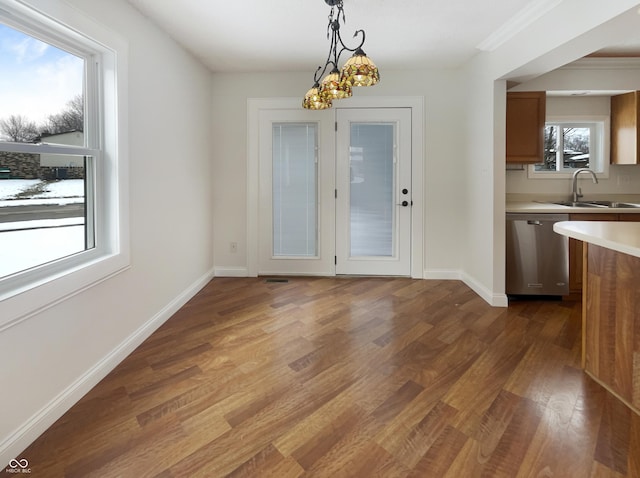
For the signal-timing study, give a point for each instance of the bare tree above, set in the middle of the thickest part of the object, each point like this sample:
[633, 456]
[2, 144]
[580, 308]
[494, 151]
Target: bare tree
[19, 129]
[71, 119]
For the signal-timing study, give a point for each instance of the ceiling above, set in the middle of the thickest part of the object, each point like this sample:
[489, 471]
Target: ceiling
[290, 35]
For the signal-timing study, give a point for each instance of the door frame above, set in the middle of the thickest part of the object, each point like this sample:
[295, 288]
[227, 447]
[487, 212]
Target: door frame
[415, 103]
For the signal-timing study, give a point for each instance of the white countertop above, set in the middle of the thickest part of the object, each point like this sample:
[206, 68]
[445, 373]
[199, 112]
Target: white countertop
[544, 203]
[548, 207]
[618, 236]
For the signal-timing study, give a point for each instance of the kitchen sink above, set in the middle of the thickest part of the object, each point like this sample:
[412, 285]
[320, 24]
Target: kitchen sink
[601, 204]
[613, 204]
[576, 204]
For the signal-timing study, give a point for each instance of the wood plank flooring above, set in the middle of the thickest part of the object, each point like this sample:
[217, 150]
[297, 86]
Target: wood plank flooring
[353, 377]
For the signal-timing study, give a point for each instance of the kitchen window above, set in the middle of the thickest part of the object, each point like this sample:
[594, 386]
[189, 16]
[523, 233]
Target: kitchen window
[62, 196]
[573, 143]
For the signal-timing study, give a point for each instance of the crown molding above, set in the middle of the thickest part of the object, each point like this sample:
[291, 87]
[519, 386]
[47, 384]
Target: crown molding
[517, 23]
[594, 63]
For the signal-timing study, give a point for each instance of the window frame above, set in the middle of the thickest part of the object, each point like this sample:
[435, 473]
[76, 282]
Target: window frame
[598, 147]
[24, 293]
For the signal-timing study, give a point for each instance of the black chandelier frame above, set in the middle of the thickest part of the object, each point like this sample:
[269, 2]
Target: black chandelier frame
[333, 34]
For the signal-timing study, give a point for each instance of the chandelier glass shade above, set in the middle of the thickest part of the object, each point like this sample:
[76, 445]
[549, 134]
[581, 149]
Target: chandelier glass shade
[314, 101]
[359, 70]
[334, 87]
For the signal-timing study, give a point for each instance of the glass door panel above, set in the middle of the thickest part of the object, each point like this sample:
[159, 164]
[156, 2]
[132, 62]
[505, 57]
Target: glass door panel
[295, 190]
[372, 189]
[296, 193]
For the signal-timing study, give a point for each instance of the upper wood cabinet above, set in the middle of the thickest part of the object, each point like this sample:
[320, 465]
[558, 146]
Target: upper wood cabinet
[625, 131]
[525, 126]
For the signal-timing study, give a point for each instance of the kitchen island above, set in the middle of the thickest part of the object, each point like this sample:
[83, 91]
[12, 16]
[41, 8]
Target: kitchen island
[610, 304]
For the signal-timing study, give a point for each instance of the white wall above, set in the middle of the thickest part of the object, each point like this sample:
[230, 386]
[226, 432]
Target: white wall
[50, 359]
[588, 74]
[483, 247]
[443, 161]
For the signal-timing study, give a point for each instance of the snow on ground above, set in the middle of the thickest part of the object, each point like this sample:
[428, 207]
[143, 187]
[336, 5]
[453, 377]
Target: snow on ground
[27, 244]
[69, 189]
[9, 188]
[63, 189]
[33, 247]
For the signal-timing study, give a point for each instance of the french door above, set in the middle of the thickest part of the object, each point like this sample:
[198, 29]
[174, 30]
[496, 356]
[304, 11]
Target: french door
[296, 193]
[373, 183]
[335, 192]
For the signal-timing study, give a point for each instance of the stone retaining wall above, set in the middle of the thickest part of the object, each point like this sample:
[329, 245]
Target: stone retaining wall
[27, 166]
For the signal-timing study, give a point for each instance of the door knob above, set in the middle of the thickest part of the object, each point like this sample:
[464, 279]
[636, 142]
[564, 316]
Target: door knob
[404, 203]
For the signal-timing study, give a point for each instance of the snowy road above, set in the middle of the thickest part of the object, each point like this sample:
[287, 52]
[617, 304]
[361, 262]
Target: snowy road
[40, 211]
[39, 227]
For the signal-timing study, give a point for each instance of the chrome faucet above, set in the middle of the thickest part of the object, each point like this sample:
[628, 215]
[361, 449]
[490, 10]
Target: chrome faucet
[575, 192]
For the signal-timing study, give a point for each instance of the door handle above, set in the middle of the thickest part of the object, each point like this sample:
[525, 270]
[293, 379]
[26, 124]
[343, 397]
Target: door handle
[403, 204]
[534, 223]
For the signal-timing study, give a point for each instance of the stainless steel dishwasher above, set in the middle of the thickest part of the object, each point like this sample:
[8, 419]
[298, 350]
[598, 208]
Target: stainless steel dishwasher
[537, 258]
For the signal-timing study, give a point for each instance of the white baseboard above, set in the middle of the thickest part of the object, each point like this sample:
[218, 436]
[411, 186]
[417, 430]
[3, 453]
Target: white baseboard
[17, 441]
[442, 274]
[495, 300]
[231, 271]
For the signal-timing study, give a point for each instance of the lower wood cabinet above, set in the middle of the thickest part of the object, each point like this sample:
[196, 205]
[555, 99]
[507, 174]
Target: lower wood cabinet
[611, 324]
[629, 217]
[576, 250]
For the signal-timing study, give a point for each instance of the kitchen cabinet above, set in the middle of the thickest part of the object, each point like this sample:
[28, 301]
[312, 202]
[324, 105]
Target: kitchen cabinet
[576, 247]
[525, 126]
[576, 250]
[629, 217]
[625, 128]
[611, 325]
[611, 299]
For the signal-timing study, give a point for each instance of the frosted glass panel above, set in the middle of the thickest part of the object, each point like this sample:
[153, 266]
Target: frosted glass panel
[372, 193]
[295, 192]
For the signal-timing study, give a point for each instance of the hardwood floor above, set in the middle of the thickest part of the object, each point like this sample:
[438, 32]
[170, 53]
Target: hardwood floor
[358, 377]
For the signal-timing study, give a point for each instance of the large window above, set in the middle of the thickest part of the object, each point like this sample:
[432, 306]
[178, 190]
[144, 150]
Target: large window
[573, 143]
[48, 151]
[61, 211]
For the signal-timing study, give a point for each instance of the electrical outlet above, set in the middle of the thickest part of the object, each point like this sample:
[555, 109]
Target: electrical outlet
[624, 180]
[233, 247]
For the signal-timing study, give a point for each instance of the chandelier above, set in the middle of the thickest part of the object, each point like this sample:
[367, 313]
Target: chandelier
[359, 70]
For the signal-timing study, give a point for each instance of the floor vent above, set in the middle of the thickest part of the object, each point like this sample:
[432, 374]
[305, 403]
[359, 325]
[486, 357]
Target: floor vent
[276, 280]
